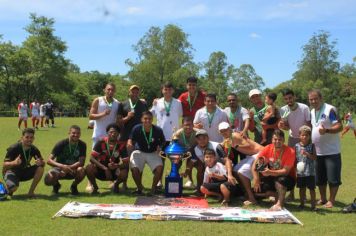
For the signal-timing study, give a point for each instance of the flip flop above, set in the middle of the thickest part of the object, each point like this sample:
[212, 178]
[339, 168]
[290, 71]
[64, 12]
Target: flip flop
[320, 202]
[249, 203]
[328, 205]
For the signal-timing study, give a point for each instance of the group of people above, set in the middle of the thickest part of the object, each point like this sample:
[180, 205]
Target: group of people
[40, 113]
[227, 161]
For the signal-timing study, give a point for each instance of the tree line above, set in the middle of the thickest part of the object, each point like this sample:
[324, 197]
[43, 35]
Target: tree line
[38, 69]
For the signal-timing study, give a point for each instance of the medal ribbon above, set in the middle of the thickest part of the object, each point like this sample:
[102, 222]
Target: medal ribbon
[191, 104]
[70, 149]
[210, 117]
[279, 157]
[149, 140]
[317, 115]
[184, 138]
[233, 115]
[27, 158]
[108, 148]
[132, 105]
[167, 108]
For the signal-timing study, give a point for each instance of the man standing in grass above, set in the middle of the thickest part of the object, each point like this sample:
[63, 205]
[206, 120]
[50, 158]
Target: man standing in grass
[17, 164]
[22, 108]
[67, 159]
[294, 115]
[325, 136]
[109, 160]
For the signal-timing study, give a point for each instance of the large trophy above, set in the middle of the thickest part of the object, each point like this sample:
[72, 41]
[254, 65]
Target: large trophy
[174, 182]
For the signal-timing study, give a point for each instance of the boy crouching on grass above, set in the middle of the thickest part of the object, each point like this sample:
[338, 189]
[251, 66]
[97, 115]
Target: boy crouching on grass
[215, 181]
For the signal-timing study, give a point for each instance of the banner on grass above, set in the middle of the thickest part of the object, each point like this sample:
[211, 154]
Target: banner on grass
[133, 212]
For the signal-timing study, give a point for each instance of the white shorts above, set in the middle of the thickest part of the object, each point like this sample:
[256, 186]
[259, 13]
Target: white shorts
[37, 116]
[244, 166]
[138, 159]
[42, 114]
[23, 117]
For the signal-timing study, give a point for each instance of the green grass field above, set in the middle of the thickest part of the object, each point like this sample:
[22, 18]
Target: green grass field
[21, 216]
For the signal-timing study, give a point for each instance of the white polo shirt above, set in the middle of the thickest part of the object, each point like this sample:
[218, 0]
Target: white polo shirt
[168, 122]
[213, 131]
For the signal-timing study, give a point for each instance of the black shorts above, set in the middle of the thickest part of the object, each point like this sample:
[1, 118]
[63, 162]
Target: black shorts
[328, 170]
[306, 182]
[213, 187]
[268, 183]
[235, 190]
[12, 178]
[100, 174]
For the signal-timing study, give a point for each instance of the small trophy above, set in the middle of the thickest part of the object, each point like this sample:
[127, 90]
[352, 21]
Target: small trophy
[174, 182]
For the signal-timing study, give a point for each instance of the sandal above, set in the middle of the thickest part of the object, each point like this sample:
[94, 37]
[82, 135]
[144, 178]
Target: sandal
[321, 202]
[225, 203]
[328, 205]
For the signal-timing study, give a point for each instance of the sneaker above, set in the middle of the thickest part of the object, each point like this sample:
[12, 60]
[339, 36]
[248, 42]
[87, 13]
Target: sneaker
[74, 189]
[95, 191]
[56, 188]
[350, 208]
[189, 184]
[159, 185]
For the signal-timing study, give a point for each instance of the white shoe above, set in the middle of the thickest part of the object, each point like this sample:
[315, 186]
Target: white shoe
[189, 184]
[89, 188]
[159, 184]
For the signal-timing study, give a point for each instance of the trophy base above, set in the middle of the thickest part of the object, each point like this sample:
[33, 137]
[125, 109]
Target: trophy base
[173, 186]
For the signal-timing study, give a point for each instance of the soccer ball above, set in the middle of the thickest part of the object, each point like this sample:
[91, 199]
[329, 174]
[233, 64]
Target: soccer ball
[3, 192]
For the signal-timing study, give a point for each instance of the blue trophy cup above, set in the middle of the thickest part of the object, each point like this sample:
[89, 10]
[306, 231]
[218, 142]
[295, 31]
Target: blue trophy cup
[174, 182]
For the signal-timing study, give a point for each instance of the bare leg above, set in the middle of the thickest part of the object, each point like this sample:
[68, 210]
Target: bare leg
[281, 190]
[156, 177]
[333, 192]
[246, 184]
[322, 190]
[225, 192]
[209, 193]
[91, 171]
[137, 177]
[35, 181]
[80, 175]
[312, 198]
[302, 196]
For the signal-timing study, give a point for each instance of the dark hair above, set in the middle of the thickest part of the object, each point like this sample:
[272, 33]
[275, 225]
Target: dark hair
[272, 96]
[209, 151]
[113, 126]
[211, 95]
[278, 133]
[167, 85]
[146, 113]
[187, 119]
[287, 92]
[28, 131]
[232, 94]
[192, 79]
[76, 127]
[317, 91]
[111, 84]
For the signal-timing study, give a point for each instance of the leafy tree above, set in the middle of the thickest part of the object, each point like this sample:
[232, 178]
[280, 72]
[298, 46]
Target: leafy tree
[245, 78]
[318, 67]
[218, 74]
[163, 55]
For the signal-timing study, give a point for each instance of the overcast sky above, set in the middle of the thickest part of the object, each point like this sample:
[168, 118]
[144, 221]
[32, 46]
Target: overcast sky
[266, 34]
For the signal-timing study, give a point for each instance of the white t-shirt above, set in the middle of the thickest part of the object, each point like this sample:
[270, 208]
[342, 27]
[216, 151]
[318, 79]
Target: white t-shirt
[22, 108]
[296, 118]
[213, 129]
[169, 122]
[327, 144]
[218, 169]
[103, 122]
[237, 123]
[200, 152]
[35, 108]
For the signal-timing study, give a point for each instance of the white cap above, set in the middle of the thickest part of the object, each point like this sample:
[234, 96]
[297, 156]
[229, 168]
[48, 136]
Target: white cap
[224, 125]
[254, 92]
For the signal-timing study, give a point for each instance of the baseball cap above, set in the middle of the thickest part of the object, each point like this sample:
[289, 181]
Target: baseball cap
[201, 132]
[224, 125]
[134, 87]
[254, 92]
